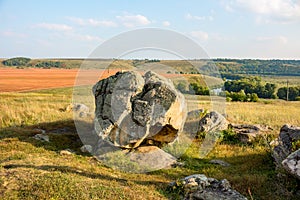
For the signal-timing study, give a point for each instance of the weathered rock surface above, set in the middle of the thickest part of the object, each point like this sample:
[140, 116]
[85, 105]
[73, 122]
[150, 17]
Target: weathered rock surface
[247, 132]
[79, 109]
[86, 148]
[198, 186]
[195, 115]
[132, 109]
[152, 158]
[288, 135]
[210, 122]
[292, 164]
[213, 121]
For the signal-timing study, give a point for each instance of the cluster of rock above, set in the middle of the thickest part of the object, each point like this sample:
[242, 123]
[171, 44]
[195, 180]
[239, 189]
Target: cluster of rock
[285, 153]
[248, 133]
[198, 186]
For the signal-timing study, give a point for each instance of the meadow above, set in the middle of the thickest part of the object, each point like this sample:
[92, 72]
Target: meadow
[31, 169]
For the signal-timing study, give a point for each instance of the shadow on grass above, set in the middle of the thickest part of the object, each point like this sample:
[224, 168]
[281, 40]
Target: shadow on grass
[254, 175]
[62, 135]
[252, 172]
[72, 170]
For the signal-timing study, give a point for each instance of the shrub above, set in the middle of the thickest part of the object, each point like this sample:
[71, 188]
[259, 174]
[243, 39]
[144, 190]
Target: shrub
[229, 136]
[228, 99]
[18, 61]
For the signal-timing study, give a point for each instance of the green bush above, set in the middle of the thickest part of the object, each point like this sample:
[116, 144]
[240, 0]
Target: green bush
[18, 61]
[229, 136]
[49, 64]
[228, 99]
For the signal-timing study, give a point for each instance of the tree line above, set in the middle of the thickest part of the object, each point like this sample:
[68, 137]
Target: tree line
[247, 89]
[25, 62]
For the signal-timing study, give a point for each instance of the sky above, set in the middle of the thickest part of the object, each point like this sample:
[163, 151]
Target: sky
[263, 29]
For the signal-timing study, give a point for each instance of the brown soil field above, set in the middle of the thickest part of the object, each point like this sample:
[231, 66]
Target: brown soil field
[20, 80]
[17, 80]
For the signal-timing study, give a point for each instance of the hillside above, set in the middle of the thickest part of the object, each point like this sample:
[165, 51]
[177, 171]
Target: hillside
[227, 67]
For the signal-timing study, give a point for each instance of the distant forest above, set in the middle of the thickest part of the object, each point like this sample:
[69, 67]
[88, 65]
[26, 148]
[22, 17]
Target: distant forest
[229, 68]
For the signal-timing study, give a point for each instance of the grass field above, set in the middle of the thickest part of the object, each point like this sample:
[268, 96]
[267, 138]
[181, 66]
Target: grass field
[31, 169]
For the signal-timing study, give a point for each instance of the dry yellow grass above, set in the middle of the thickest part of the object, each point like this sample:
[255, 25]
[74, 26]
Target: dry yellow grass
[30, 169]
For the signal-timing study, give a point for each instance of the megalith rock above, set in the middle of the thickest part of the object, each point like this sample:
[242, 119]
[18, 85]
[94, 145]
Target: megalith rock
[134, 110]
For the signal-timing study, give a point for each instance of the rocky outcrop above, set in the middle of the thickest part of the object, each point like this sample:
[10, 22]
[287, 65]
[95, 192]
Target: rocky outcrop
[198, 186]
[248, 133]
[287, 153]
[288, 135]
[199, 121]
[292, 164]
[132, 109]
[213, 121]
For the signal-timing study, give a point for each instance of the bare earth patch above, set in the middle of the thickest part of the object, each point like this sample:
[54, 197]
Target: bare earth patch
[16, 80]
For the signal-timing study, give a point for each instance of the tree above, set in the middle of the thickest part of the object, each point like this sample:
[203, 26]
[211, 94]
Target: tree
[294, 92]
[254, 97]
[18, 61]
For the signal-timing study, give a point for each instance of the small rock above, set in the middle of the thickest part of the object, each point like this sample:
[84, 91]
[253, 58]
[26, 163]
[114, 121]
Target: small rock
[66, 152]
[79, 109]
[213, 121]
[219, 162]
[198, 186]
[86, 148]
[152, 157]
[42, 137]
[40, 130]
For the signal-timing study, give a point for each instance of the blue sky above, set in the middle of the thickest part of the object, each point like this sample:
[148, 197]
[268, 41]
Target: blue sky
[224, 28]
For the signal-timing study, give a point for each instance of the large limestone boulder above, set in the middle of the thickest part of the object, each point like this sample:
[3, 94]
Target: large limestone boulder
[198, 186]
[134, 110]
[288, 135]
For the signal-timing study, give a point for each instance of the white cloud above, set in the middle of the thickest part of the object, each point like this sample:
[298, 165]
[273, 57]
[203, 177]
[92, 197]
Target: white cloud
[13, 34]
[133, 20]
[199, 18]
[273, 39]
[82, 37]
[89, 38]
[166, 23]
[275, 11]
[54, 27]
[92, 22]
[200, 35]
